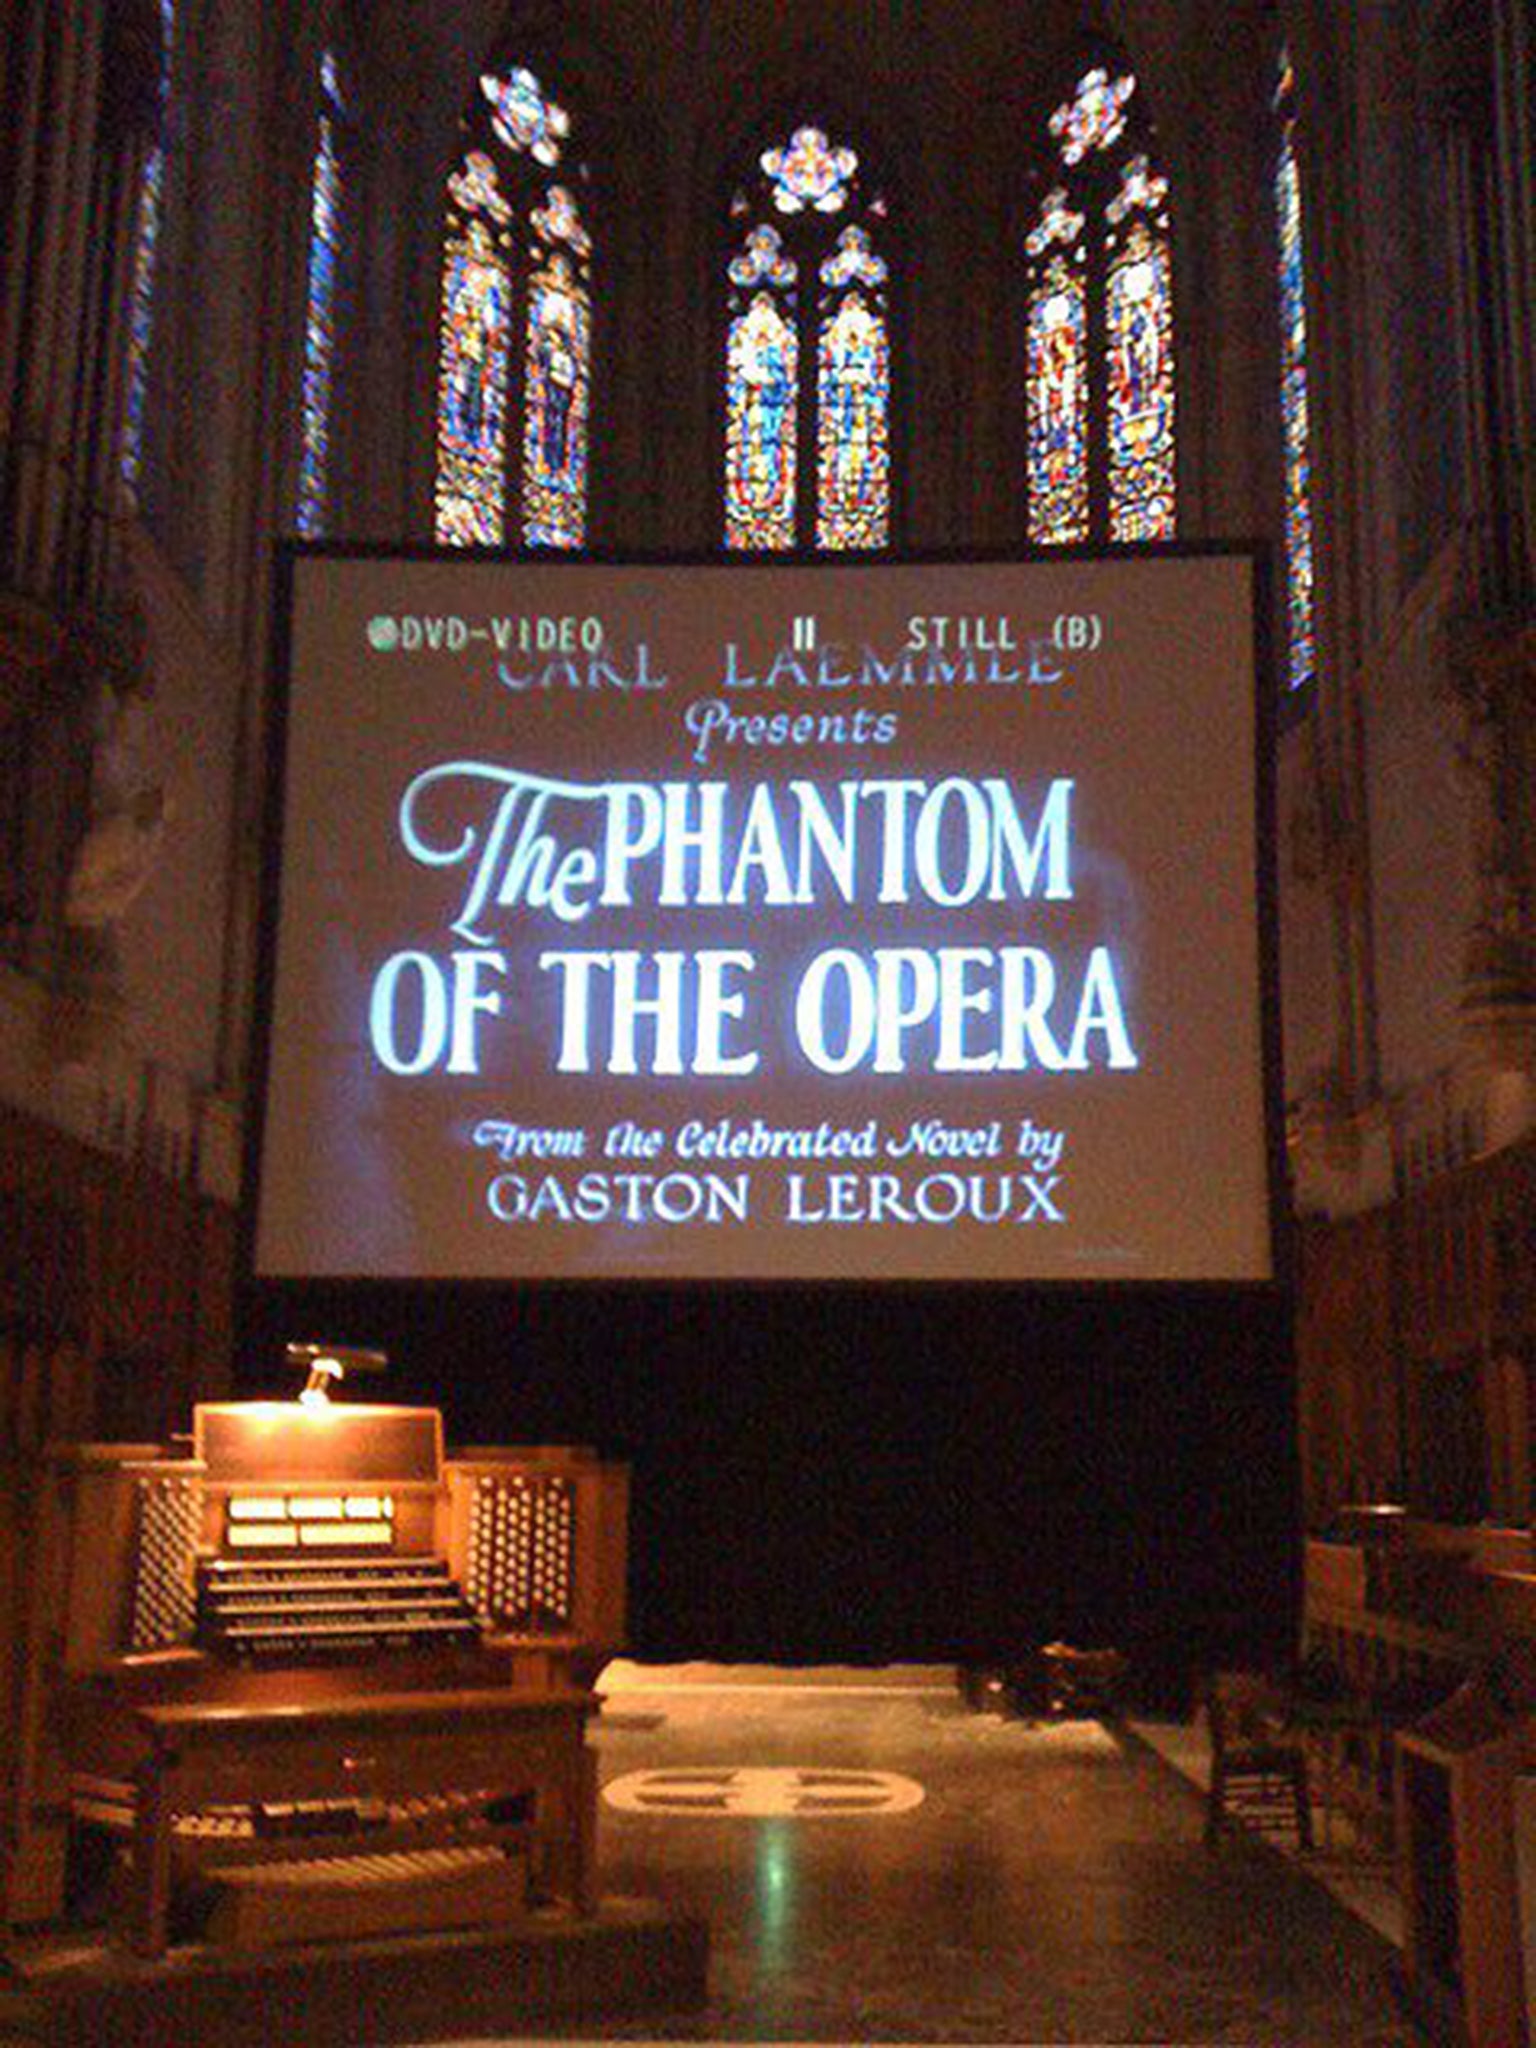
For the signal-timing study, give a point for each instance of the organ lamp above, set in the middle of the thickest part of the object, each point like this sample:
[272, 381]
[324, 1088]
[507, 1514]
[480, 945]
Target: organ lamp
[328, 1365]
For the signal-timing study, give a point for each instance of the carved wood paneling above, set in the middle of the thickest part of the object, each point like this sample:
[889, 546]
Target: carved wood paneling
[116, 1290]
[1345, 1338]
[1416, 1341]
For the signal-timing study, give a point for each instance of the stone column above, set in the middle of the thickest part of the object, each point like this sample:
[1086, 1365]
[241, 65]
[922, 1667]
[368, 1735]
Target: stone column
[1479, 84]
[1492, 667]
[1515, 89]
[48, 263]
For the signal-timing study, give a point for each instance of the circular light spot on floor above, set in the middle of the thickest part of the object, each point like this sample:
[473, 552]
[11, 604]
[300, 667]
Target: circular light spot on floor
[756, 1792]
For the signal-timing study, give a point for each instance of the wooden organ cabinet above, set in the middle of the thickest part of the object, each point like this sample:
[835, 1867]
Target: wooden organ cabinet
[316, 1677]
[1457, 1769]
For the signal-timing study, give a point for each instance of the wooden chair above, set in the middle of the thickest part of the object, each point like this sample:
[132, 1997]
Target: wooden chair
[1258, 1765]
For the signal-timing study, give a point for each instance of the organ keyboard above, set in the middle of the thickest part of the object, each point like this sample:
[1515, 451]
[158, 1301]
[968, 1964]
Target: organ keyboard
[296, 1535]
[234, 1617]
[299, 1607]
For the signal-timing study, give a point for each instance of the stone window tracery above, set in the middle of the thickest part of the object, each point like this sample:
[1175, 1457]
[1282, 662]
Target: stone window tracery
[515, 329]
[1099, 344]
[808, 352]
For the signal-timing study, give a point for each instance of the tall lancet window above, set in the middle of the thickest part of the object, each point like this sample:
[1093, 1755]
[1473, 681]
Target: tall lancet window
[146, 256]
[476, 340]
[1100, 451]
[807, 368]
[515, 331]
[322, 286]
[1295, 412]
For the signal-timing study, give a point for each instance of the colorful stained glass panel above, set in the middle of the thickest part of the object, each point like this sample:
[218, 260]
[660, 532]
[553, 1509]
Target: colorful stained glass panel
[557, 369]
[1140, 186]
[1140, 377]
[1094, 118]
[474, 189]
[853, 262]
[558, 220]
[320, 327]
[762, 370]
[1302, 636]
[763, 261]
[141, 315]
[1057, 223]
[472, 390]
[146, 256]
[524, 118]
[1058, 407]
[853, 428]
[810, 172]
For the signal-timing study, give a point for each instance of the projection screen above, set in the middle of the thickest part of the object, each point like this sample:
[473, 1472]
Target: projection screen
[725, 922]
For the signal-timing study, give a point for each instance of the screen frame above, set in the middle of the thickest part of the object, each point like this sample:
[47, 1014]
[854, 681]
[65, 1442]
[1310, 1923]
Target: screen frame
[289, 552]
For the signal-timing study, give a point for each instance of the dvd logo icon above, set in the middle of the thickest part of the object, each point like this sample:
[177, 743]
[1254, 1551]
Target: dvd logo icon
[433, 634]
[383, 635]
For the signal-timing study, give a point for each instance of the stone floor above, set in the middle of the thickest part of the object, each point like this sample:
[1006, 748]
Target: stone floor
[1051, 1887]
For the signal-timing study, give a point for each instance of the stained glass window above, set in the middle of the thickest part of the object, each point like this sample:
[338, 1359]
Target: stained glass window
[763, 260]
[501, 281]
[1099, 343]
[1057, 223]
[1058, 407]
[146, 255]
[556, 368]
[1138, 344]
[1140, 187]
[1094, 117]
[320, 308]
[853, 435]
[807, 373]
[524, 119]
[475, 335]
[762, 380]
[810, 172]
[1301, 649]
[854, 261]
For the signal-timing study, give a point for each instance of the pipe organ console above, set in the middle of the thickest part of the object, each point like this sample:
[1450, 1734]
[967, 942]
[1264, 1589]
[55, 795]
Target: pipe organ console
[308, 1642]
